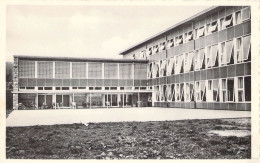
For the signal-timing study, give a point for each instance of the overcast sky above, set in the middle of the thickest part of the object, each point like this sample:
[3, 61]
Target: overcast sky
[85, 31]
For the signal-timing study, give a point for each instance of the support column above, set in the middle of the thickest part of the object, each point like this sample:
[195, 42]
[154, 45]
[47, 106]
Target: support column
[15, 84]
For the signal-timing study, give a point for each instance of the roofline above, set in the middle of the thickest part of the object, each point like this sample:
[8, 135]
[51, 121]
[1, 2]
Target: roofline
[79, 59]
[170, 28]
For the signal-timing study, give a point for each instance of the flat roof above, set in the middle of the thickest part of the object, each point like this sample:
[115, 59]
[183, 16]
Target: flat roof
[79, 59]
[170, 28]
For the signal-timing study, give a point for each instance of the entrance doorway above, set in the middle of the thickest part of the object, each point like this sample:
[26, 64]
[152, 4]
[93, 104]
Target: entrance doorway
[45, 101]
[111, 99]
[63, 100]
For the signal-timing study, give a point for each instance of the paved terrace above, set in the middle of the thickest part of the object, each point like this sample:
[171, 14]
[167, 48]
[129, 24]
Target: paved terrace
[69, 116]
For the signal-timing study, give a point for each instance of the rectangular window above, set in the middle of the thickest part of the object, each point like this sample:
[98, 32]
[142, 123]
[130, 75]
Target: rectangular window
[155, 49]
[177, 92]
[202, 58]
[223, 56]
[106, 88]
[203, 90]
[65, 88]
[57, 88]
[240, 89]
[148, 52]
[30, 88]
[191, 91]
[47, 88]
[246, 13]
[91, 88]
[186, 62]
[197, 60]
[197, 91]
[170, 43]
[238, 50]
[231, 92]
[238, 17]
[247, 48]
[170, 66]
[216, 90]
[157, 93]
[150, 71]
[111, 70]
[163, 68]
[214, 54]
[74, 87]
[113, 88]
[45, 69]
[182, 91]
[162, 46]
[78, 70]
[208, 56]
[81, 87]
[94, 70]
[26, 69]
[62, 70]
[187, 92]
[247, 84]
[224, 90]
[169, 93]
[98, 88]
[125, 71]
[221, 24]
[213, 27]
[228, 21]
[210, 85]
[40, 88]
[122, 88]
[230, 52]
[201, 32]
[140, 71]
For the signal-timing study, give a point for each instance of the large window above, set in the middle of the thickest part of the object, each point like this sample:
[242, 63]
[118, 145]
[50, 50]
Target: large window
[170, 66]
[230, 52]
[230, 90]
[111, 70]
[170, 43]
[94, 70]
[224, 90]
[163, 68]
[26, 69]
[246, 13]
[203, 90]
[216, 90]
[247, 83]
[45, 69]
[140, 71]
[177, 92]
[125, 71]
[243, 48]
[78, 70]
[150, 71]
[157, 93]
[187, 92]
[197, 91]
[62, 70]
[240, 89]
[222, 55]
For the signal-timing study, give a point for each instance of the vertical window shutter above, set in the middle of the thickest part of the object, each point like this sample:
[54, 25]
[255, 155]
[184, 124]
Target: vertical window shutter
[246, 47]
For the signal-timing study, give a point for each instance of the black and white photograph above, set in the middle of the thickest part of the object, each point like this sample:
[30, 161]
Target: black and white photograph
[117, 81]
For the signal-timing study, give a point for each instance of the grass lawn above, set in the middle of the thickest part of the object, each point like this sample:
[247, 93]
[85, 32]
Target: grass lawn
[181, 139]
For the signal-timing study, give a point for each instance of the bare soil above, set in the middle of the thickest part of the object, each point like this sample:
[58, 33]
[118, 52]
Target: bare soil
[183, 139]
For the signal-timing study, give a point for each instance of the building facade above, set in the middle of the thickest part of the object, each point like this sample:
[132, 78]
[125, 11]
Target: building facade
[201, 62]
[51, 83]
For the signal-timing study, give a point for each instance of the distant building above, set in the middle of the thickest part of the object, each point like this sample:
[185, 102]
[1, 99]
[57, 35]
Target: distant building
[201, 62]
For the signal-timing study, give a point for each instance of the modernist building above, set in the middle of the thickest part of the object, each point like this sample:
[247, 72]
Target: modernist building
[201, 62]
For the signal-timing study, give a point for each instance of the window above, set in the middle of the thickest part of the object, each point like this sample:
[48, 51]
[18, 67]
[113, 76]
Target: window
[111, 70]
[142, 54]
[45, 69]
[223, 53]
[203, 90]
[224, 90]
[208, 57]
[231, 92]
[106, 88]
[177, 92]
[78, 70]
[169, 93]
[140, 71]
[157, 93]
[186, 62]
[81, 87]
[30, 88]
[57, 88]
[150, 70]
[26, 69]
[170, 66]
[125, 71]
[191, 91]
[239, 49]
[137, 88]
[162, 46]
[240, 88]
[201, 32]
[247, 48]
[162, 92]
[214, 56]
[190, 61]
[47, 88]
[170, 43]
[210, 85]
[238, 17]
[216, 90]
[163, 68]
[142, 88]
[209, 91]
[197, 60]
[180, 40]
[230, 52]
[74, 87]
[179, 64]
[221, 24]
[156, 66]
[22, 88]
[94, 70]
[197, 91]
[246, 13]
[62, 69]
[155, 49]
[202, 58]
[91, 88]
[188, 36]
[214, 27]
[40, 88]
[247, 84]
[65, 88]
[228, 21]
[187, 92]
[122, 88]
[98, 88]
[149, 51]
[182, 91]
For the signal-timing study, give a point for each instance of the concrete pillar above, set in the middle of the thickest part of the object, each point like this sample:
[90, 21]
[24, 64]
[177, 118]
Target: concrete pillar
[15, 84]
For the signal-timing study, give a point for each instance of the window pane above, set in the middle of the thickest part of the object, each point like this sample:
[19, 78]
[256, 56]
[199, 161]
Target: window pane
[111, 71]
[248, 88]
[125, 71]
[78, 70]
[140, 71]
[95, 70]
[62, 70]
[240, 96]
[215, 90]
[230, 94]
[246, 46]
[45, 69]
[240, 82]
[26, 69]
[245, 13]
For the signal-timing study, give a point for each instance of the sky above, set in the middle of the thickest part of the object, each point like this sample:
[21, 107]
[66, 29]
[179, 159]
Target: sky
[84, 30]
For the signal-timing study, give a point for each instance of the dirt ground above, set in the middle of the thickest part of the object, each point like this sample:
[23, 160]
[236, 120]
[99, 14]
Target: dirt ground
[182, 139]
